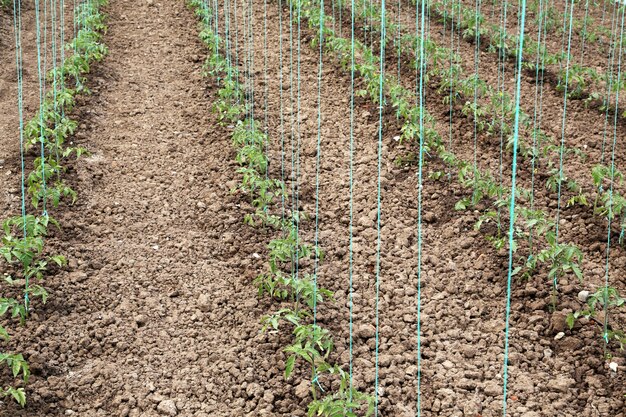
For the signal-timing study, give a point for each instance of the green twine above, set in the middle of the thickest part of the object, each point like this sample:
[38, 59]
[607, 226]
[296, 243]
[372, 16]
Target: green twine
[512, 206]
[501, 71]
[236, 47]
[317, 165]
[561, 152]
[280, 92]
[41, 77]
[17, 29]
[381, 81]
[610, 213]
[292, 132]
[538, 114]
[476, 65]
[318, 157]
[419, 216]
[298, 138]
[250, 74]
[610, 65]
[266, 87]
[584, 34]
[351, 179]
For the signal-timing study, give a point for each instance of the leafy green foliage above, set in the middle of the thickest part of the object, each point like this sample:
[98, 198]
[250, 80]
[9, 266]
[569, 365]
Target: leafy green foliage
[22, 244]
[313, 344]
[606, 299]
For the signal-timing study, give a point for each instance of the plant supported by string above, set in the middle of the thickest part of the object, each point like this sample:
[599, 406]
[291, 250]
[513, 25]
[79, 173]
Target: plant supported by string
[26, 252]
[598, 308]
[22, 247]
[609, 202]
[283, 281]
[22, 251]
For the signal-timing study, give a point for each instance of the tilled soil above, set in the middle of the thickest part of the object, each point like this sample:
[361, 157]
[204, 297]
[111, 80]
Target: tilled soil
[157, 314]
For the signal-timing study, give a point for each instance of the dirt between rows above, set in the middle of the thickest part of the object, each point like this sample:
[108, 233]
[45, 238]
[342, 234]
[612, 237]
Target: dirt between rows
[156, 313]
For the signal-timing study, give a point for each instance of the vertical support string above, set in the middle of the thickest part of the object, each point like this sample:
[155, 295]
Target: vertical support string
[381, 81]
[512, 205]
[605, 324]
[422, 61]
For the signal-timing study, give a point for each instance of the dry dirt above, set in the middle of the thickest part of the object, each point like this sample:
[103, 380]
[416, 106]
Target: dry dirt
[156, 313]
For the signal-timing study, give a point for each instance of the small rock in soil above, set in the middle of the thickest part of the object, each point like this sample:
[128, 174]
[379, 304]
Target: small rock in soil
[254, 390]
[448, 364]
[78, 276]
[561, 384]
[583, 295]
[366, 331]
[492, 389]
[167, 408]
[140, 320]
[303, 389]
[204, 303]
[558, 322]
[430, 217]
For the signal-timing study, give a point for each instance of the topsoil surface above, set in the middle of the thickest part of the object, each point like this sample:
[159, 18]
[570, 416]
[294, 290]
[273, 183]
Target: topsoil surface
[156, 313]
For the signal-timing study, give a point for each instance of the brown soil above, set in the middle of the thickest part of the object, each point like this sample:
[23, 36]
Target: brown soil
[158, 307]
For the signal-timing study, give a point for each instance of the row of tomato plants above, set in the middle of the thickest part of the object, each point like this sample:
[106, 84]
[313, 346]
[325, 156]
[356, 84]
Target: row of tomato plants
[47, 133]
[609, 203]
[581, 82]
[495, 116]
[298, 293]
[558, 259]
[498, 114]
[551, 18]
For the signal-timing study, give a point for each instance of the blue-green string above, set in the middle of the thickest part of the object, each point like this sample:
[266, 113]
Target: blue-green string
[381, 81]
[318, 159]
[351, 233]
[561, 151]
[610, 213]
[280, 92]
[476, 66]
[538, 114]
[584, 33]
[501, 70]
[512, 206]
[236, 47]
[298, 136]
[292, 141]
[41, 77]
[419, 215]
[265, 84]
[610, 65]
[17, 28]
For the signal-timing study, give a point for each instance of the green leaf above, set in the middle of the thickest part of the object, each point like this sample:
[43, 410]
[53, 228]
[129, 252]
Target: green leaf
[577, 272]
[18, 394]
[570, 320]
[4, 334]
[60, 260]
[291, 361]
